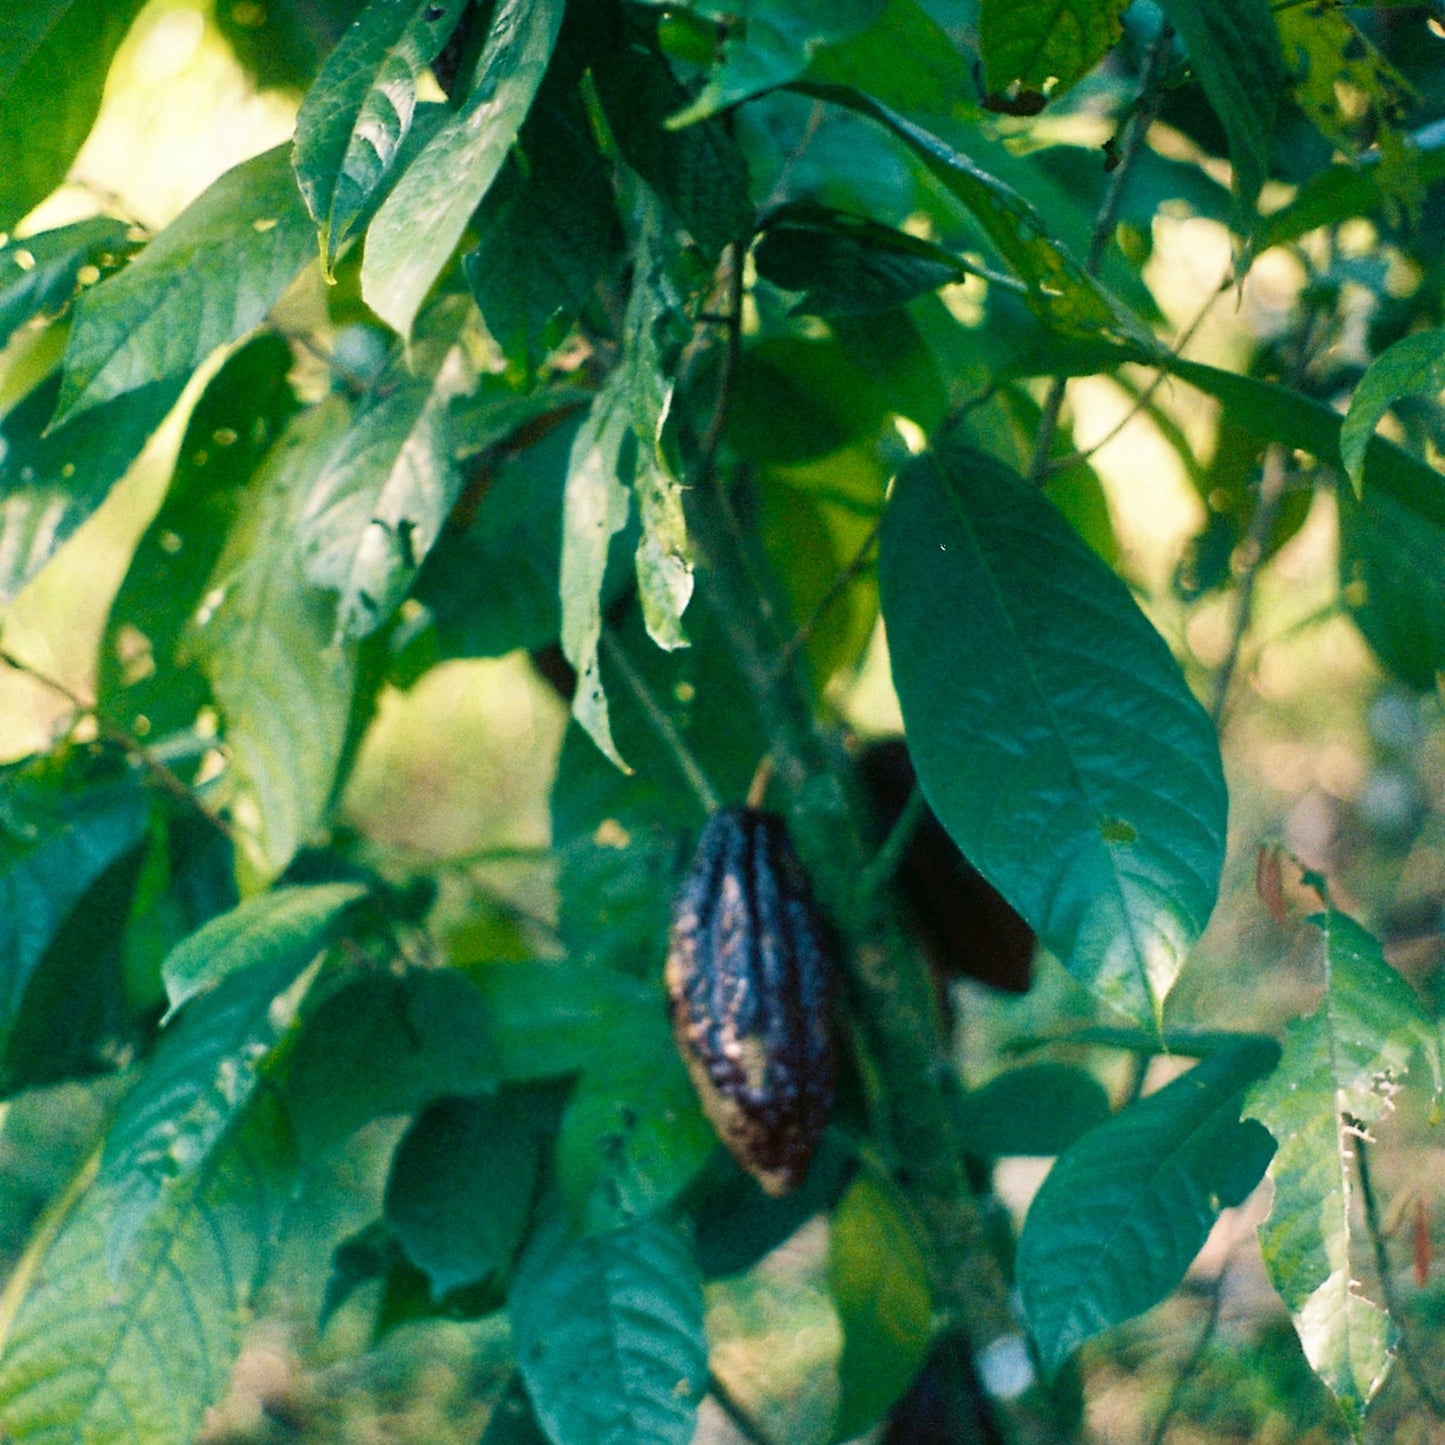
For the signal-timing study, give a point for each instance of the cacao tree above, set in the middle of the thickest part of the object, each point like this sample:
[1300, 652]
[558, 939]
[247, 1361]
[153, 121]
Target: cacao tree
[677, 352]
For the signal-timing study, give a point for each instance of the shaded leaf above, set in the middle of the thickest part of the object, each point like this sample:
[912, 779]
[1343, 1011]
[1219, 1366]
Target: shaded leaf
[1036, 1109]
[904, 59]
[878, 1277]
[265, 640]
[207, 279]
[358, 112]
[1124, 1211]
[1034, 42]
[1414, 364]
[419, 224]
[54, 57]
[1052, 732]
[238, 416]
[39, 274]
[1340, 1071]
[608, 1334]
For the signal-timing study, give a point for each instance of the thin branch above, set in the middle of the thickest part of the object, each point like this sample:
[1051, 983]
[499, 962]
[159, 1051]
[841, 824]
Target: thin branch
[741, 1421]
[840, 584]
[1405, 1346]
[1191, 1366]
[1135, 128]
[732, 322]
[682, 755]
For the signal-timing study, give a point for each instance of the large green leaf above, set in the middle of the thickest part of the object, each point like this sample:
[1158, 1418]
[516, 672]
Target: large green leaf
[419, 224]
[608, 1334]
[141, 682]
[90, 1359]
[1414, 364]
[1035, 41]
[265, 639]
[50, 483]
[878, 1277]
[359, 110]
[56, 840]
[1234, 48]
[1124, 1211]
[1035, 1109]
[378, 504]
[1052, 732]
[206, 1068]
[54, 57]
[206, 280]
[39, 275]
[1339, 1074]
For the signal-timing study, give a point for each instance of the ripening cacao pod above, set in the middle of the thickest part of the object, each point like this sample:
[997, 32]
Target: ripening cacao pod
[750, 982]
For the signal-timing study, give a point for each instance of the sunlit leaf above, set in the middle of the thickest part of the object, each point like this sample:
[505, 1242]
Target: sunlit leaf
[206, 280]
[1341, 1069]
[1124, 1211]
[40, 274]
[1037, 41]
[1052, 732]
[1414, 364]
[419, 224]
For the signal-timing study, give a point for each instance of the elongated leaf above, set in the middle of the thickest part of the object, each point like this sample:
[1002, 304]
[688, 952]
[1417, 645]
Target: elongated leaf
[206, 280]
[56, 841]
[1340, 1071]
[1060, 291]
[1414, 364]
[359, 110]
[39, 275]
[1036, 1109]
[768, 43]
[878, 1278]
[1051, 730]
[419, 224]
[54, 57]
[206, 1068]
[92, 1360]
[378, 505]
[1036, 41]
[142, 683]
[1234, 48]
[49, 484]
[265, 640]
[461, 1187]
[1125, 1210]
[609, 1338]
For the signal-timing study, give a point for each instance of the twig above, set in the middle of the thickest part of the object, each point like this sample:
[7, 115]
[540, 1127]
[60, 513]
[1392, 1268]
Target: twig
[1196, 1357]
[742, 1422]
[732, 322]
[1135, 129]
[1405, 1347]
[682, 755]
[167, 780]
[836, 589]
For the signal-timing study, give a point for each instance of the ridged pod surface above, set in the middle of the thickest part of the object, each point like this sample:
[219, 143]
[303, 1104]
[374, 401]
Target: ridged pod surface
[750, 980]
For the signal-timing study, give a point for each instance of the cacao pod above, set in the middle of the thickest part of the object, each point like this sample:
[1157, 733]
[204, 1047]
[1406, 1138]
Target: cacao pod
[750, 980]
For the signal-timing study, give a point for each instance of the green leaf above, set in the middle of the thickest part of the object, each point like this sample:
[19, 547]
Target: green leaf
[284, 930]
[1124, 1211]
[384, 1045]
[378, 505]
[634, 1133]
[878, 1277]
[1037, 1109]
[1060, 291]
[700, 174]
[767, 43]
[1034, 42]
[1412, 365]
[1234, 48]
[1393, 584]
[609, 1338]
[54, 57]
[265, 640]
[1339, 1074]
[848, 265]
[39, 274]
[142, 683]
[206, 1068]
[359, 110]
[206, 280]
[51, 482]
[512, 1421]
[1052, 732]
[93, 1360]
[56, 840]
[419, 224]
